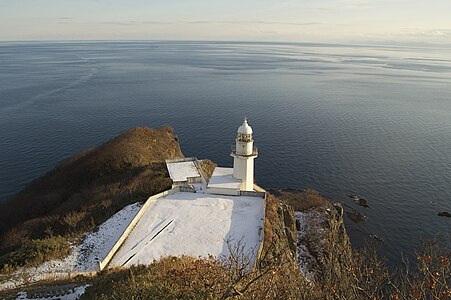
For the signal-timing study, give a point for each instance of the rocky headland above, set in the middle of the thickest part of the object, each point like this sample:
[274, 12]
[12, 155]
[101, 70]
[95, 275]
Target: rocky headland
[306, 252]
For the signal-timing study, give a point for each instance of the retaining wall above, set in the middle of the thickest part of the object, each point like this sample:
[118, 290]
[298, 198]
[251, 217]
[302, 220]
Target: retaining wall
[253, 194]
[262, 235]
[180, 159]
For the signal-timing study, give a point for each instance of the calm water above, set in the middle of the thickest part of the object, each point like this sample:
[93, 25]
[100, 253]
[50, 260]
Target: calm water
[374, 120]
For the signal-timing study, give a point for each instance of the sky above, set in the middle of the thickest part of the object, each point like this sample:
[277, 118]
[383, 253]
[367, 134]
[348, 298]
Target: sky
[404, 21]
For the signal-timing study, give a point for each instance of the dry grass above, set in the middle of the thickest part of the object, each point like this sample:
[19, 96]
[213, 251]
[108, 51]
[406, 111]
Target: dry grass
[34, 252]
[207, 167]
[303, 200]
[271, 217]
[169, 278]
[196, 278]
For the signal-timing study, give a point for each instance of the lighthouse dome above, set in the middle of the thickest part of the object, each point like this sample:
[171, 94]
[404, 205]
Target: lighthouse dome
[245, 128]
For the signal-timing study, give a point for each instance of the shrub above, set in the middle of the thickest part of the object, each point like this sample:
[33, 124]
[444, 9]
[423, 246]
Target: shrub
[34, 252]
[303, 200]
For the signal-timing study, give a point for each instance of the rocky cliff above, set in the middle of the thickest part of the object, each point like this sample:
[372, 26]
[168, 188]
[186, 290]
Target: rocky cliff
[313, 229]
[280, 230]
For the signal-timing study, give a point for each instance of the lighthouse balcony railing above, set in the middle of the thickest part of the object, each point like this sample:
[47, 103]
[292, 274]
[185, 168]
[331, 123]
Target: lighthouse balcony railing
[254, 151]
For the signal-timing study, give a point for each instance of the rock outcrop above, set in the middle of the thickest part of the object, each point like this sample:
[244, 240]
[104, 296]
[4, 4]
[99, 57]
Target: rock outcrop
[322, 244]
[280, 230]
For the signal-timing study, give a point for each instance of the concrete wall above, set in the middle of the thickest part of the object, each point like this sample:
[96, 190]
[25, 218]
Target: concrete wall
[222, 191]
[262, 235]
[181, 159]
[103, 263]
[192, 180]
[253, 194]
[201, 172]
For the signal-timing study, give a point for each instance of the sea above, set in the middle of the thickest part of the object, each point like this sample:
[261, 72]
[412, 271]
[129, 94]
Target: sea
[374, 120]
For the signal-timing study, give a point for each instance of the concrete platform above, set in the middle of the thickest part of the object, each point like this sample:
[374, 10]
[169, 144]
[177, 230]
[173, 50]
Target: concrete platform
[193, 224]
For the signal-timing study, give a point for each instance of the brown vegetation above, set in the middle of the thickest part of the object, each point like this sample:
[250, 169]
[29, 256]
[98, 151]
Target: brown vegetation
[207, 167]
[201, 278]
[34, 252]
[86, 189]
[303, 200]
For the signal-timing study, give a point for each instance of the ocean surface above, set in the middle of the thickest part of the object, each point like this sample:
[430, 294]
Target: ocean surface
[375, 120]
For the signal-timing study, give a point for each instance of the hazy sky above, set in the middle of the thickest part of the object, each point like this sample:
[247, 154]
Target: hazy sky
[265, 20]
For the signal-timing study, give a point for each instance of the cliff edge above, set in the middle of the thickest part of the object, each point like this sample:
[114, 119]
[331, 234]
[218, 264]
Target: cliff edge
[322, 244]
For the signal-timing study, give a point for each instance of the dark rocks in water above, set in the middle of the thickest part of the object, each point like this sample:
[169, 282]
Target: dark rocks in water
[444, 214]
[356, 216]
[351, 195]
[361, 201]
[376, 237]
[358, 199]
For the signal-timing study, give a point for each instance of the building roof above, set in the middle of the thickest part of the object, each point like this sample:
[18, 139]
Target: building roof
[245, 128]
[182, 170]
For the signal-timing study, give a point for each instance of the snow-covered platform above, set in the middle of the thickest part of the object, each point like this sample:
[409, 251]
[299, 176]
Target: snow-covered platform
[180, 171]
[223, 182]
[193, 224]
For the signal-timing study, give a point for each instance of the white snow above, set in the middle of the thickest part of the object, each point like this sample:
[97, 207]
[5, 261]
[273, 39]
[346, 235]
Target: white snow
[73, 295]
[223, 178]
[303, 255]
[310, 222]
[193, 224]
[96, 245]
[83, 257]
[180, 171]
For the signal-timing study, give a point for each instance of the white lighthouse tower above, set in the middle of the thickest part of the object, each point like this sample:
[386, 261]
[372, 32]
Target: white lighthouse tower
[243, 155]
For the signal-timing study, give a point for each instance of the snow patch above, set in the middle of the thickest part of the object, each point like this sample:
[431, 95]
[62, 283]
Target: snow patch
[74, 294]
[83, 258]
[96, 245]
[308, 223]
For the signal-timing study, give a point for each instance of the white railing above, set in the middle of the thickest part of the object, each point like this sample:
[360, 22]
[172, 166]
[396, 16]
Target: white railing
[254, 151]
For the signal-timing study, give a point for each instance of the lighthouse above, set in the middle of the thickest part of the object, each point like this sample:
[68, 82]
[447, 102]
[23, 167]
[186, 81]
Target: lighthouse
[238, 180]
[243, 155]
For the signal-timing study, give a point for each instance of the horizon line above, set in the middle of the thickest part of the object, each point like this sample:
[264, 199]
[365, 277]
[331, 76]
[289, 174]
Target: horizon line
[386, 43]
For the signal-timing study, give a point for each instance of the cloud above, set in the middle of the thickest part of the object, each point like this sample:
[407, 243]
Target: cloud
[356, 4]
[426, 32]
[206, 22]
[135, 23]
[254, 22]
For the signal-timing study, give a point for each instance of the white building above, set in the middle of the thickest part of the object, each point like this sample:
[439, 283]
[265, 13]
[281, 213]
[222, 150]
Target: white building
[243, 155]
[240, 178]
